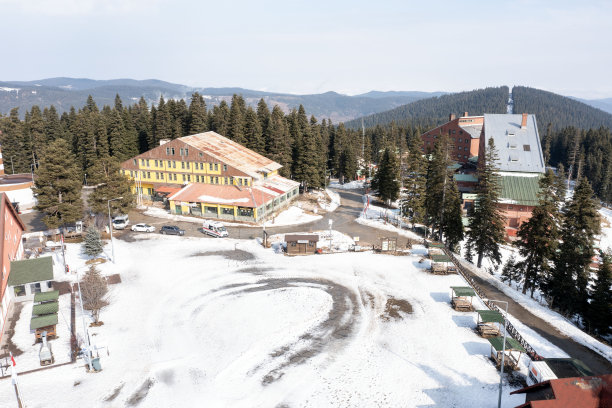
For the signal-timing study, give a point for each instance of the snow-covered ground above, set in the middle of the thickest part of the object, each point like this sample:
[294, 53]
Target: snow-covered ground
[352, 185]
[217, 323]
[333, 203]
[339, 241]
[387, 219]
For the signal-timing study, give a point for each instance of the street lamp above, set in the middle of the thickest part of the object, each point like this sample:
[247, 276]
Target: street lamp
[110, 225]
[330, 234]
[501, 375]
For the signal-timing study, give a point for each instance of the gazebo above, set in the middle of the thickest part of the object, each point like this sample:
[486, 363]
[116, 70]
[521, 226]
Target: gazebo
[461, 298]
[512, 352]
[489, 323]
[440, 264]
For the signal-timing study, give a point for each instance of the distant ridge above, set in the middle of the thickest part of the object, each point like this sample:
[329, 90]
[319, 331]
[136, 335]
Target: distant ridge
[65, 92]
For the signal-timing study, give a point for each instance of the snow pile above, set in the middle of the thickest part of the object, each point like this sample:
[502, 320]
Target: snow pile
[229, 323]
[25, 198]
[291, 216]
[331, 202]
[387, 219]
[217, 200]
[605, 241]
[346, 186]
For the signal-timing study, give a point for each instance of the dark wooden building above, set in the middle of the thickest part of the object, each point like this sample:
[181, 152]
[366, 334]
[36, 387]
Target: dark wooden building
[301, 244]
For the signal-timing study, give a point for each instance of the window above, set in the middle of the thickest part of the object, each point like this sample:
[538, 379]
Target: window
[225, 181]
[167, 151]
[186, 152]
[131, 173]
[181, 151]
[459, 140]
[169, 163]
[155, 163]
[172, 150]
[20, 290]
[527, 148]
[216, 180]
[174, 177]
[461, 132]
[173, 164]
[135, 162]
[188, 178]
[183, 177]
[231, 180]
[239, 181]
[293, 243]
[182, 165]
[216, 166]
[245, 212]
[210, 210]
[142, 162]
[147, 162]
[210, 166]
[225, 167]
[201, 154]
[227, 211]
[35, 287]
[459, 156]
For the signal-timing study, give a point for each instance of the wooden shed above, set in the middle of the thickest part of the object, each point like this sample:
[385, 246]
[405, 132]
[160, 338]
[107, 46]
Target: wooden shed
[301, 244]
[44, 323]
[512, 351]
[461, 298]
[489, 323]
[441, 264]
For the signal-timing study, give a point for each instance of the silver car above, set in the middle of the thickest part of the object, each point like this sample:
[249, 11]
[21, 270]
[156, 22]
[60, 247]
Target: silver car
[143, 227]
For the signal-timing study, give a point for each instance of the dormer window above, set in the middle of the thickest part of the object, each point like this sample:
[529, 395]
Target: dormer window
[527, 148]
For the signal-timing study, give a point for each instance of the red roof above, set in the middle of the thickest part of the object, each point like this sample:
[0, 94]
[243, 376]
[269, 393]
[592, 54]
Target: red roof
[168, 189]
[221, 194]
[584, 392]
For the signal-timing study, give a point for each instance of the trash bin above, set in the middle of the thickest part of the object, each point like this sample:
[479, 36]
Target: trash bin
[95, 362]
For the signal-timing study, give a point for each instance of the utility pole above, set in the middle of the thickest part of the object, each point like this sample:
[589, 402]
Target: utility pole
[85, 333]
[330, 235]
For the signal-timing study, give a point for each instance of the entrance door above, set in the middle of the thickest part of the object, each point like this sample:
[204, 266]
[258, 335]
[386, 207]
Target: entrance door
[302, 248]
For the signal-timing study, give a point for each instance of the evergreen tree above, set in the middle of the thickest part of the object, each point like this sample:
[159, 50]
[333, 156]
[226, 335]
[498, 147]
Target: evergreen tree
[92, 244]
[511, 272]
[436, 184]
[58, 186]
[162, 125]
[570, 277]
[142, 123]
[539, 237]
[598, 313]
[348, 164]
[279, 148]
[36, 132]
[12, 140]
[85, 139]
[486, 228]
[236, 120]
[110, 183]
[385, 180]
[198, 117]
[220, 119]
[52, 125]
[252, 132]
[116, 135]
[263, 116]
[413, 203]
[452, 223]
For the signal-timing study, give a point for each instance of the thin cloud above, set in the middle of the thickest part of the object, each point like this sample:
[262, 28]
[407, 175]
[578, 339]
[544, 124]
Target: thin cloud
[78, 7]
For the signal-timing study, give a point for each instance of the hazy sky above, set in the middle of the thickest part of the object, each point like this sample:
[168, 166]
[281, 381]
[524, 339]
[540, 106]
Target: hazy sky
[315, 46]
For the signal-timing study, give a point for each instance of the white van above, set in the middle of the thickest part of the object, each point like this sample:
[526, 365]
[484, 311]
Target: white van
[120, 222]
[214, 229]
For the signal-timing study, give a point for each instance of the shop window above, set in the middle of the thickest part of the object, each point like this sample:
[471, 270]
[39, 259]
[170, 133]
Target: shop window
[211, 210]
[227, 211]
[245, 212]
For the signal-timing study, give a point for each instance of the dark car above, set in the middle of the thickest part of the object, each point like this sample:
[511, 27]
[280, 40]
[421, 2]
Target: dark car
[171, 230]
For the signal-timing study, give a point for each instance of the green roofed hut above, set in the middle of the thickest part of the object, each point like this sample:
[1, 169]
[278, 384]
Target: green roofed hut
[512, 352]
[462, 297]
[489, 323]
[42, 297]
[442, 264]
[45, 308]
[31, 276]
[45, 323]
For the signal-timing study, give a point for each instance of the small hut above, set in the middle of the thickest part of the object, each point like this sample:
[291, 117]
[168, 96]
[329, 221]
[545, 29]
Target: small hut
[489, 323]
[44, 314]
[461, 298]
[45, 323]
[301, 244]
[440, 264]
[512, 352]
[435, 248]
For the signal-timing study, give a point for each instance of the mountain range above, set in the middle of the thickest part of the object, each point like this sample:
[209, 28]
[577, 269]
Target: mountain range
[375, 106]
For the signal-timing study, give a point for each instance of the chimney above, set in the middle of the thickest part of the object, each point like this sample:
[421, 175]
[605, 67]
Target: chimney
[465, 114]
[524, 121]
[1, 164]
[451, 117]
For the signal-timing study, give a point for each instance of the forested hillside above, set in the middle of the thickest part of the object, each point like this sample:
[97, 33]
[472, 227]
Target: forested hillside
[558, 110]
[436, 110]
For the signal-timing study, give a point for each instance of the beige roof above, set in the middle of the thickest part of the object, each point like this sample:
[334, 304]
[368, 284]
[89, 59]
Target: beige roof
[232, 153]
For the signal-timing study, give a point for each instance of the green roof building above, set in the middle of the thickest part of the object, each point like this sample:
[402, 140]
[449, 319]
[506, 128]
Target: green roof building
[31, 276]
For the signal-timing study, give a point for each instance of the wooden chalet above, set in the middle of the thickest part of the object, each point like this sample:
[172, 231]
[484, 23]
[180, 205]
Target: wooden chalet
[462, 297]
[512, 352]
[489, 323]
[301, 244]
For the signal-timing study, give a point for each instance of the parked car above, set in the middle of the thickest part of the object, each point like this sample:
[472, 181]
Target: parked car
[171, 230]
[143, 228]
[214, 229]
[120, 222]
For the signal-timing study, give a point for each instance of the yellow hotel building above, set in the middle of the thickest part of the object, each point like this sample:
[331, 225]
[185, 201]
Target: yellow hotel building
[211, 176]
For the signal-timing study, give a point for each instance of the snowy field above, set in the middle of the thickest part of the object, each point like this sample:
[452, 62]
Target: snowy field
[226, 323]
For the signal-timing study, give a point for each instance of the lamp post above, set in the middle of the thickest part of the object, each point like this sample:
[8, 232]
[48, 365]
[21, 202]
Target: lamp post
[12, 167]
[110, 226]
[85, 333]
[501, 375]
[330, 235]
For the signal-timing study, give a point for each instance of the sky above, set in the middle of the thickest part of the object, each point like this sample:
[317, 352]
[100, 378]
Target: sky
[350, 47]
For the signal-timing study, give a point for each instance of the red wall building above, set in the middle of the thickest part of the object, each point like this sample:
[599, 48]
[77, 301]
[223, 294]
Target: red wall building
[11, 249]
[464, 133]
